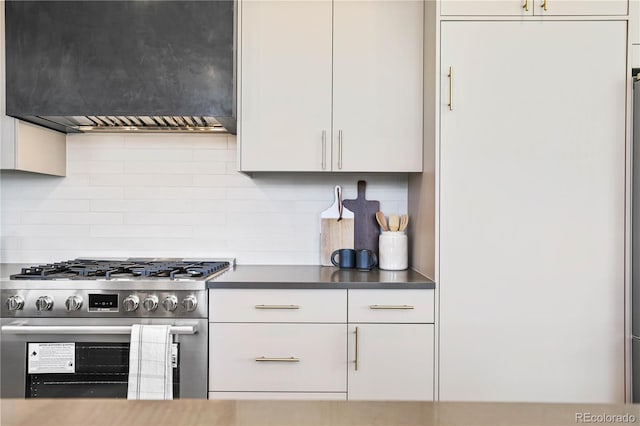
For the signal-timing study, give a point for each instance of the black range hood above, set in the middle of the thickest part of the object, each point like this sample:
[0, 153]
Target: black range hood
[122, 65]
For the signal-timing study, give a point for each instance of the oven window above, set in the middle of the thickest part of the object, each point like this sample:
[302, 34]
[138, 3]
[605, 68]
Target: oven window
[101, 371]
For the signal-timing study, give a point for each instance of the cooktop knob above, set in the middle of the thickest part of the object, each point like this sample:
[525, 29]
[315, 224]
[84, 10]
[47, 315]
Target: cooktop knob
[44, 303]
[15, 303]
[73, 303]
[190, 303]
[131, 303]
[150, 303]
[170, 303]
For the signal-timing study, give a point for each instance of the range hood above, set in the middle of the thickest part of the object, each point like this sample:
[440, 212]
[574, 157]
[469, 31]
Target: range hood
[154, 65]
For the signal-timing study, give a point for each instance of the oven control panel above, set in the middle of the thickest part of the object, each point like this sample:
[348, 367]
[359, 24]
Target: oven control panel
[103, 303]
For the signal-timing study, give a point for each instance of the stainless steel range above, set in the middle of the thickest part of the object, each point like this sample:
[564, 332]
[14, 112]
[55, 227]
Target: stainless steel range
[65, 327]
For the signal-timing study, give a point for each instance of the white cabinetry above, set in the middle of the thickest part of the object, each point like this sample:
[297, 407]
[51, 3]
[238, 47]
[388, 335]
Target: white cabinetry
[533, 7]
[274, 341]
[532, 211]
[634, 31]
[331, 86]
[277, 357]
[24, 146]
[296, 344]
[391, 345]
[285, 81]
[377, 86]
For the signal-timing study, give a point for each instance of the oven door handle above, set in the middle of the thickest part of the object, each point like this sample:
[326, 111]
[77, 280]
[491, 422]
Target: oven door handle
[87, 329]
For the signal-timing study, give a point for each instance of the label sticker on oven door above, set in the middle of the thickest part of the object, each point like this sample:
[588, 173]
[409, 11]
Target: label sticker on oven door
[174, 355]
[45, 358]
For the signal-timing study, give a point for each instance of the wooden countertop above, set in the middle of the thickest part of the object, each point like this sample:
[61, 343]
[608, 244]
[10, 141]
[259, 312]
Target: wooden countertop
[103, 412]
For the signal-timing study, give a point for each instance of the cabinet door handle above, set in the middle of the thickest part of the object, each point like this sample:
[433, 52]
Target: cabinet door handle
[391, 307]
[544, 5]
[265, 359]
[324, 149]
[451, 88]
[526, 5]
[356, 360]
[277, 306]
[340, 149]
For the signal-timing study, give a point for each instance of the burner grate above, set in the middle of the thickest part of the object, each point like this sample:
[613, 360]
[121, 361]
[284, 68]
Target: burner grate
[102, 269]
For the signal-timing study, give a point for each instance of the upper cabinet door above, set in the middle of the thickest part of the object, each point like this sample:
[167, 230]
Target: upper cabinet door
[580, 7]
[532, 7]
[377, 85]
[487, 7]
[285, 85]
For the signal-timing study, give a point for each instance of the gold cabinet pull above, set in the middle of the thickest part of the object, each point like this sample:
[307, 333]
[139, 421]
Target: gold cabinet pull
[544, 5]
[277, 307]
[340, 149]
[265, 359]
[356, 360]
[526, 5]
[391, 307]
[451, 88]
[324, 149]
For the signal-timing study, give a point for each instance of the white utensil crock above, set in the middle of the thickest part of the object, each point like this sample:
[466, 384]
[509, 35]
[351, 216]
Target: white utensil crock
[392, 251]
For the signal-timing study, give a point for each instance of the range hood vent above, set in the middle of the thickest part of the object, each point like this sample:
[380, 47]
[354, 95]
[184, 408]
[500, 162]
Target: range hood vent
[136, 123]
[95, 66]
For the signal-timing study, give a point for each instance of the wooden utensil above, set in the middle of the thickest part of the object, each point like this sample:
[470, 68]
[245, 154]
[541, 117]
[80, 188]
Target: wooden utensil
[404, 222]
[336, 228]
[382, 221]
[394, 222]
[366, 227]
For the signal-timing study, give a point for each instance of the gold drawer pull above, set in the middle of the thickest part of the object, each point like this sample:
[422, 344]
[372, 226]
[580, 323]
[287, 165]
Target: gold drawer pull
[357, 338]
[450, 75]
[265, 359]
[391, 307]
[277, 307]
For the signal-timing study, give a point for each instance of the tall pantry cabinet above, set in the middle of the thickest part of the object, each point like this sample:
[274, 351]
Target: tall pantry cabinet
[528, 147]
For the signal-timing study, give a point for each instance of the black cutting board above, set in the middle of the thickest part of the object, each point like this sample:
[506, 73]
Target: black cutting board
[366, 231]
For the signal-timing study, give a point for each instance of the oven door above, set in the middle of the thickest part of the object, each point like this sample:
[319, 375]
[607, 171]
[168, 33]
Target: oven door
[89, 358]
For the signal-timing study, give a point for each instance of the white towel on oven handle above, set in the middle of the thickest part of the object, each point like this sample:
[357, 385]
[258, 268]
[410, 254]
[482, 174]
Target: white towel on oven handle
[150, 370]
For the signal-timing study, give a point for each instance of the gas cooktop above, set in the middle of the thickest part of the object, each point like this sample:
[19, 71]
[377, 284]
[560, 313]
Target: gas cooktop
[125, 269]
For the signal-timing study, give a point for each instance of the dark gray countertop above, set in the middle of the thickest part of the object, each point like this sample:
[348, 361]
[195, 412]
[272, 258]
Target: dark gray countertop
[313, 277]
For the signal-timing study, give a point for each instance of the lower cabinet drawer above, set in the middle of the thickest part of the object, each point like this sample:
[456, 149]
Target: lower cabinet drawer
[277, 357]
[391, 306]
[308, 396]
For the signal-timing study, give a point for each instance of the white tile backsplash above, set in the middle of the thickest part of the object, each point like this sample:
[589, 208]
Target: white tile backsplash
[172, 195]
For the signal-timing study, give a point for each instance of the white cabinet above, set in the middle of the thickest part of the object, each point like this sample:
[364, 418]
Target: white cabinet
[391, 345]
[32, 148]
[487, 7]
[391, 362]
[275, 305]
[532, 211]
[533, 7]
[24, 146]
[277, 357]
[391, 306]
[264, 343]
[377, 86]
[331, 86]
[285, 85]
[297, 344]
[634, 31]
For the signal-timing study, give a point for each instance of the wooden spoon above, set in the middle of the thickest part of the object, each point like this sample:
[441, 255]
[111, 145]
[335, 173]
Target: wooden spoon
[404, 222]
[382, 221]
[394, 222]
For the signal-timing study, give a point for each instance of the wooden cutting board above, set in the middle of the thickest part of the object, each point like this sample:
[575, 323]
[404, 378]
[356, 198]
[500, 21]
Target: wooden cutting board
[336, 228]
[366, 228]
